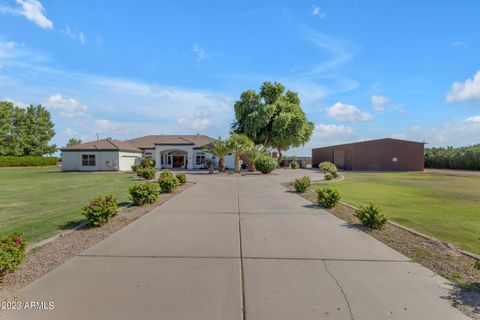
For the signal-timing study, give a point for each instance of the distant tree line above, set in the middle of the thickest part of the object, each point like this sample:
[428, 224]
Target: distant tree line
[467, 158]
[25, 131]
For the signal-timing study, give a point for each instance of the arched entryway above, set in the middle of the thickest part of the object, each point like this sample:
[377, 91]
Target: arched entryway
[174, 159]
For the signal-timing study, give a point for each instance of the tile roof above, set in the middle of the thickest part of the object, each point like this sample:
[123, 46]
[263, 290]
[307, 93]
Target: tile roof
[104, 145]
[149, 142]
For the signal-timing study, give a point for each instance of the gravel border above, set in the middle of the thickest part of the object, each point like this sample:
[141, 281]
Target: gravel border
[41, 260]
[442, 258]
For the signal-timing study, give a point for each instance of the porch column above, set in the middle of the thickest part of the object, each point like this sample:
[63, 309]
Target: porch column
[190, 159]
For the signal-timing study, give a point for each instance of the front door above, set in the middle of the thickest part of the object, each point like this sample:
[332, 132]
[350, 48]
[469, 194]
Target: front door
[177, 161]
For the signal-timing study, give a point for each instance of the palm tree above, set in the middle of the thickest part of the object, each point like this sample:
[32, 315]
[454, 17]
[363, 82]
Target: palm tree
[238, 144]
[219, 148]
[253, 152]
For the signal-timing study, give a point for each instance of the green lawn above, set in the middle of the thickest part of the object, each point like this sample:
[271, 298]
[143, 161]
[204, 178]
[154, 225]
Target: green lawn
[446, 207]
[40, 201]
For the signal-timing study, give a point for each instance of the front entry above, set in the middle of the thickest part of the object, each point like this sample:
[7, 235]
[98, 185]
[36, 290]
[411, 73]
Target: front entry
[178, 161]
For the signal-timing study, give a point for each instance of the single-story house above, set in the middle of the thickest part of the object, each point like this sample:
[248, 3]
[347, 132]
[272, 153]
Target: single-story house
[168, 151]
[373, 155]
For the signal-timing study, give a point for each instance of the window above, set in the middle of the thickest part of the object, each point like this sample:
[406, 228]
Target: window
[200, 159]
[395, 159]
[88, 160]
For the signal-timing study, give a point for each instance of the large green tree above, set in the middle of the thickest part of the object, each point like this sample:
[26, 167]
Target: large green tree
[273, 117]
[25, 131]
[73, 141]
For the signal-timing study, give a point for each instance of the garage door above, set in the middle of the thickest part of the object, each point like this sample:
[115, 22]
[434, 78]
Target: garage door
[339, 158]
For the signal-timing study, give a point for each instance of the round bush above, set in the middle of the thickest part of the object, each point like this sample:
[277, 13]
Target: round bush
[328, 176]
[146, 173]
[328, 197]
[302, 184]
[142, 193]
[12, 252]
[294, 164]
[167, 181]
[101, 210]
[327, 166]
[371, 216]
[265, 164]
[181, 177]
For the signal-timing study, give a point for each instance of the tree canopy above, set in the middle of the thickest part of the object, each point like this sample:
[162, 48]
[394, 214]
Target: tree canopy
[25, 131]
[272, 117]
[73, 141]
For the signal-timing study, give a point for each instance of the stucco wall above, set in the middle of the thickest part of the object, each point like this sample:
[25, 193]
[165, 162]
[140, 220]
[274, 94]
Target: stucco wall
[104, 161]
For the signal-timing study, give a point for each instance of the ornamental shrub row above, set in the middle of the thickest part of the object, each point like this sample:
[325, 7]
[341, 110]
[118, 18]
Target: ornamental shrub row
[101, 210]
[143, 193]
[302, 184]
[266, 164]
[27, 161]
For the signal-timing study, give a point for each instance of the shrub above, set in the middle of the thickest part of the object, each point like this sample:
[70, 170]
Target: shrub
[302, 184]
[181, 177]
[142, 193]
[147, 163]
[334, 174]
[147, 173]
[294, 164]
[167, 181]
[265, 164]
[12, 252]
[371, 216]
[328, 197]
[328, 176]
[135, 168]
[28, 161]
[101, 210]
[327, 166]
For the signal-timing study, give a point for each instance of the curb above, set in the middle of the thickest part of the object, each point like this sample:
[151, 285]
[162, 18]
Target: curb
[467, 253]
[43, 242]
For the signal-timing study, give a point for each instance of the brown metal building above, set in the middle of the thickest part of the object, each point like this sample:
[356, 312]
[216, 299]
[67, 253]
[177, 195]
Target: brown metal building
[375, 155]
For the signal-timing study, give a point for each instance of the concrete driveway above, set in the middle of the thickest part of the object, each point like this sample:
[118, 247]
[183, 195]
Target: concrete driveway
[239, 248]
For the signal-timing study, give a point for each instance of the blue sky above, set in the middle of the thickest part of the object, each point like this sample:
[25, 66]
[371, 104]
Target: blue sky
[363, 69]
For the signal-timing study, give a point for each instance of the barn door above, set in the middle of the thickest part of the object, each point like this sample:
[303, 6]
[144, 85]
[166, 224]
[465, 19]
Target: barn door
[339, 158]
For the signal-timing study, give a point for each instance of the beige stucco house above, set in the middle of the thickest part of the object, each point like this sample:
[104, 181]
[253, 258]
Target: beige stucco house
[168, 151]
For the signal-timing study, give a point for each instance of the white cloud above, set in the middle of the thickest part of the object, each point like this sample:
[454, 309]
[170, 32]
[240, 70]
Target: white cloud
[325, 135]
[468, 90]
[453, 133]
[380, 103]
[460, 44]
[473, 119]
[318, 12]
[7, 49]
[200, 52]
[201, 121]
[67, 107]
[33, 10]
[345, 112]
[74, 34]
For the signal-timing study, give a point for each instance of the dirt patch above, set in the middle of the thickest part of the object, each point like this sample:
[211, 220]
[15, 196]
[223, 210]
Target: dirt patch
[437, 256]
[44, 259]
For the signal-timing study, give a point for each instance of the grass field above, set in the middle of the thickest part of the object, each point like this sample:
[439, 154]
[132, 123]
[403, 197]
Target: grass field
[40, 201]
[443, 206]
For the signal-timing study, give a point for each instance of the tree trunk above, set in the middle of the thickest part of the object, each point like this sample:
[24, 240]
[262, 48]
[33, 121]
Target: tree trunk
[280, 157]
[221, 165]
[237, 163]
[251, 166]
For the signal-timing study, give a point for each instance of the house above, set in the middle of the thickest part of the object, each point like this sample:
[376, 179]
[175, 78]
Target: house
[168, 151]
[373, 155]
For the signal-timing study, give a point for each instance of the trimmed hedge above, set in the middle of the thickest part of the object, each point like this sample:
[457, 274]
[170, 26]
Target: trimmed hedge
[371, 216]
[12, 252]
[181, 177]
[302, 184]
[28, 161]
[466, 158]
[328, 197]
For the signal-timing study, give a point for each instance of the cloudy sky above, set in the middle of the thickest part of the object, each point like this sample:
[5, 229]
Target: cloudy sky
[363, 69]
